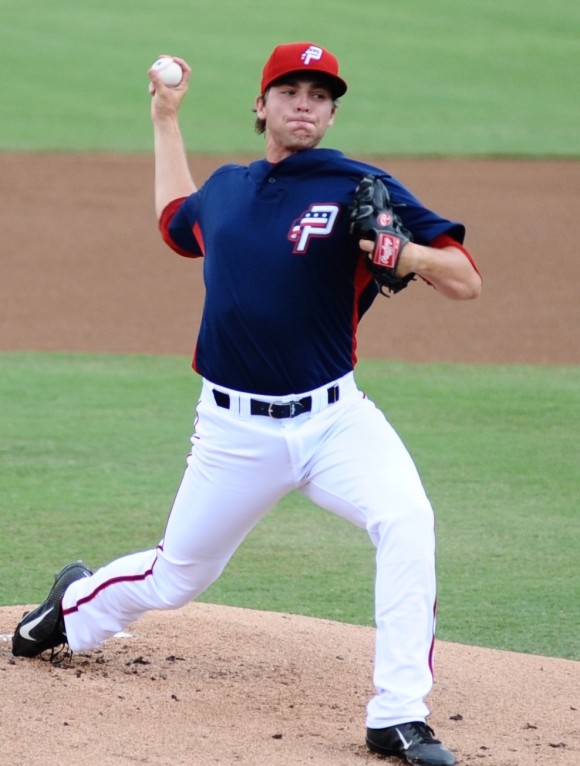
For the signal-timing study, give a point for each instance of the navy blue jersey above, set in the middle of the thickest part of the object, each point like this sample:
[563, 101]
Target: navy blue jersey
[285, 282]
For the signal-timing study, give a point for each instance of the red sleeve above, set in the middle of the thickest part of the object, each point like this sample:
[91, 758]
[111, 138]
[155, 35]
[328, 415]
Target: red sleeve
[444, 240]
[164, 222]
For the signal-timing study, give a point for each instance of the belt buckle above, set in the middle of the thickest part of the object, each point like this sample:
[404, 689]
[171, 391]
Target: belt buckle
[290, 409]
[271, 410]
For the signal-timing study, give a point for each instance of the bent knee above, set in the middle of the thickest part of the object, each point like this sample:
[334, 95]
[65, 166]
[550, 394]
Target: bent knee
[178, 585]
[406, 526]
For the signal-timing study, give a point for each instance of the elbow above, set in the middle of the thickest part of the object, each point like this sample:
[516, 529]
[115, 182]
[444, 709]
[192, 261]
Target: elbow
[463, 290]
[475, 286]
[466, 282]
[470, 289]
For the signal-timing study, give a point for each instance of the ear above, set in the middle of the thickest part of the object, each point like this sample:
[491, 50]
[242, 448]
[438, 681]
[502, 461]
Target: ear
[332, 116]
[260, 108]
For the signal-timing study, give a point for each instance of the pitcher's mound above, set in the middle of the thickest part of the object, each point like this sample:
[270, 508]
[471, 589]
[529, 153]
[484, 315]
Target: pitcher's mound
[220, 685]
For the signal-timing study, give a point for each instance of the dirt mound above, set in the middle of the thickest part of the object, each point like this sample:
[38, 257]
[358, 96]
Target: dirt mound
[219, 685]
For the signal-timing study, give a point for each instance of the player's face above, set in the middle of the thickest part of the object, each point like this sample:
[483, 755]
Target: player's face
[297, 114]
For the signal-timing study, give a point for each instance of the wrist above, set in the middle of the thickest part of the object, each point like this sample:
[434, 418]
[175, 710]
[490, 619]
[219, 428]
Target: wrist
[411, 259]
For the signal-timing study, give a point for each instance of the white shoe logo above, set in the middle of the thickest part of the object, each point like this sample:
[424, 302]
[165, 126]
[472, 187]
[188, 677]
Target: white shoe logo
[25, 629]
[406, 745]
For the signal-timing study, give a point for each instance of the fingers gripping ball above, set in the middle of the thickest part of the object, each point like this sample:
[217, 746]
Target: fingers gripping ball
[371, 216]
[169, 70]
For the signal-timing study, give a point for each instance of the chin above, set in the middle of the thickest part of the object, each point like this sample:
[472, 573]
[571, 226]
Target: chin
[303, 140]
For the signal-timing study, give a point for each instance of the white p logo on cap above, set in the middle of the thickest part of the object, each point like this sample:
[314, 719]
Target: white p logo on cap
[314, 53]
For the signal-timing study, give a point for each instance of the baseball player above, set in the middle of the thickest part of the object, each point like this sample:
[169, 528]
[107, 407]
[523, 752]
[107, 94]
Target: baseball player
[295, 248]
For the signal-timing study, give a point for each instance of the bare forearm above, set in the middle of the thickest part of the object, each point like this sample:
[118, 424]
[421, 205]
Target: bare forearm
[448, 269]
[173, 178]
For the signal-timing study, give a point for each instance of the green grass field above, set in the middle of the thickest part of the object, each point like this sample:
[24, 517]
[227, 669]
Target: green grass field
[93, 448]
[485, 77]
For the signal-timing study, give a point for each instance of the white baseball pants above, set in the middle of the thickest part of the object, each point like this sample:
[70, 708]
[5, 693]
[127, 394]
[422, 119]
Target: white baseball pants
[346, 458]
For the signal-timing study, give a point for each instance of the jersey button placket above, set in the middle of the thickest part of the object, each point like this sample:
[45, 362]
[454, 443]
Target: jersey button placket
[272, 188]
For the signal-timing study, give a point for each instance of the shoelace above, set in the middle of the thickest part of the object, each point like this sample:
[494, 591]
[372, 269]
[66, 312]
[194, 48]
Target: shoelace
[60, 653]
[425, 733]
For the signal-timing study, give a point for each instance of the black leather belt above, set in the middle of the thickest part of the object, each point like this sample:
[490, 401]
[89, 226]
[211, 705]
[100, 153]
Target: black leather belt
[277, 410]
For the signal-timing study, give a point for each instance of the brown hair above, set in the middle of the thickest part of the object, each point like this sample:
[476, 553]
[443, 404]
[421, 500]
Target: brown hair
[259, 125]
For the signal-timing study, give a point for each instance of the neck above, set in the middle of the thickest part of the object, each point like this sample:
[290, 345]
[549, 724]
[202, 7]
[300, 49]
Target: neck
[276, 152]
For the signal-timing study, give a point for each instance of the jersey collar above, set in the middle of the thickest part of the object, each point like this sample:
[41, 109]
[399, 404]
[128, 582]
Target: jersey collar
[295, 164]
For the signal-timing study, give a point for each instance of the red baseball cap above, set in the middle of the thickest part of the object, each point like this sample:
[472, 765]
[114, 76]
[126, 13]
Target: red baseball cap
[302, 57]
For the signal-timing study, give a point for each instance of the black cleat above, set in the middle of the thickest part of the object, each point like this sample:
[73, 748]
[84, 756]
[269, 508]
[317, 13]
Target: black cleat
[415, 742]
[43, 628]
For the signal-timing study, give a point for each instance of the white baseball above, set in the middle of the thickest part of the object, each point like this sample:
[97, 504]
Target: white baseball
[170, 71]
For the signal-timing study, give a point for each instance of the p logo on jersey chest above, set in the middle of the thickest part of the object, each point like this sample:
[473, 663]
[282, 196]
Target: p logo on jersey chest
[317, 221]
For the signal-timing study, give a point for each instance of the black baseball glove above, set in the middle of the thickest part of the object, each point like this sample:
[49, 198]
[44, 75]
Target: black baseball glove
[372, 217]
